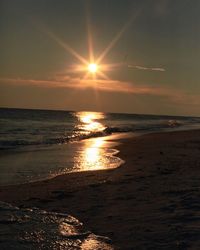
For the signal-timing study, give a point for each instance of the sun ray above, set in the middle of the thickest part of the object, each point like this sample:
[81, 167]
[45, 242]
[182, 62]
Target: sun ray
[103, 75]
[110, 66]
[89, 33]
[85, 76]
[67, 47]
[42, 27]
[92, 67]
[117, 37]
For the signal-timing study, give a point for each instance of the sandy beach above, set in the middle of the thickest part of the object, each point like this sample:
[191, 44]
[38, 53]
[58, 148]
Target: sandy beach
[150, 202]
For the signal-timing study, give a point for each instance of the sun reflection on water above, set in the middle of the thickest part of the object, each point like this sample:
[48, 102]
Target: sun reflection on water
[90, 121]
[95, 153]
[94, 242]
[94, 157]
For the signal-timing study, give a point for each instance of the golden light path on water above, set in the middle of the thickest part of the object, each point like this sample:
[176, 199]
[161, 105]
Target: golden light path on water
[96, 152]
[41, 162]
[94, 157]
[91, 121]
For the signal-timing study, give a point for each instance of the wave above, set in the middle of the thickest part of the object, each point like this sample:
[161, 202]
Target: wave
[144, 127]
[78, 135]
[31, 228]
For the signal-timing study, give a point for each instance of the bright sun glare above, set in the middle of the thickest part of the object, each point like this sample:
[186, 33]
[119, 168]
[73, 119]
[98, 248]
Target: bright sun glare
[92, 68]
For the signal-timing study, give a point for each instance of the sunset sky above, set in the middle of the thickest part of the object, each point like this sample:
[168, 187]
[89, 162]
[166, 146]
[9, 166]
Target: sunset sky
[149, 51]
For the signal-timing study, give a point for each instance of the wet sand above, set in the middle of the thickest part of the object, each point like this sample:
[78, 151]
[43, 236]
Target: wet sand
[150, 202]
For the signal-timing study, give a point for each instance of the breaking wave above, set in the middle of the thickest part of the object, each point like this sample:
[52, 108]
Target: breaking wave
[77, 135]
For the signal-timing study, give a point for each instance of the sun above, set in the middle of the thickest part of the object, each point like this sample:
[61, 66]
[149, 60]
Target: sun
[92, 68]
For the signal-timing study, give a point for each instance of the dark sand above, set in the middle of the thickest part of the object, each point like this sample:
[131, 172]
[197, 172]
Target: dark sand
[151, 202]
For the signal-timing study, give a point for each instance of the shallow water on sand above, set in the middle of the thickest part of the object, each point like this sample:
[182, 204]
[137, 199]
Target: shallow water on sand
[37, 229]
[44, 162]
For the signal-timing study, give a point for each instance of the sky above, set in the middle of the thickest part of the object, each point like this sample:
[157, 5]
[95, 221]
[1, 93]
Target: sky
[147, 52]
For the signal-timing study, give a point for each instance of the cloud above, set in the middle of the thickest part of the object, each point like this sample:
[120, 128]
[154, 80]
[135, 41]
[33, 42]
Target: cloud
[98, 84]
[146, 68]
[173, 95]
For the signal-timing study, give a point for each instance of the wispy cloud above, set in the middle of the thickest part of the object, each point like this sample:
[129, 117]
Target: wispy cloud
[146, 68]
[98, 84]
[174, 95]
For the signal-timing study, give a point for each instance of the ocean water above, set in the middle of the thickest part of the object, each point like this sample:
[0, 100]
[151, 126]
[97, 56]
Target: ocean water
[40, 144]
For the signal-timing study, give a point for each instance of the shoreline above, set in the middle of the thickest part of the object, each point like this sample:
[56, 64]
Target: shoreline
[91, 154]
[149, 201]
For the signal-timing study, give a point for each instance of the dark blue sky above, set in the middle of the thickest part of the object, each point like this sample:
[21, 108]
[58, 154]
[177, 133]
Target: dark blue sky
[158, 55]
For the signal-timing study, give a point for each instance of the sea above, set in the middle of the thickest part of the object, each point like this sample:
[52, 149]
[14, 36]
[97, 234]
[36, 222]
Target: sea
[41, 144]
